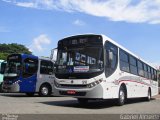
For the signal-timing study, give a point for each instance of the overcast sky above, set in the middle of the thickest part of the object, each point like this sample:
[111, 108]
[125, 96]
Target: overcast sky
[39, 24]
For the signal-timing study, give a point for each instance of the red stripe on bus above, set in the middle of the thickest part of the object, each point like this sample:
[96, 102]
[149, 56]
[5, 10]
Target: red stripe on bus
[134, 81]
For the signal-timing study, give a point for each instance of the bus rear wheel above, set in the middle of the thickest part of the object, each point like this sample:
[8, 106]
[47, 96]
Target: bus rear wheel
[122, 97]
[148, 98]
[45, 90]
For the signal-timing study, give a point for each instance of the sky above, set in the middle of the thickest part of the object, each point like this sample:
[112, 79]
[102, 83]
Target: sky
[39, 24]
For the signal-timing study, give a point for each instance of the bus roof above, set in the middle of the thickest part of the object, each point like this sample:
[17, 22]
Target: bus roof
[44, 58]
[113, 41]
[32, 56]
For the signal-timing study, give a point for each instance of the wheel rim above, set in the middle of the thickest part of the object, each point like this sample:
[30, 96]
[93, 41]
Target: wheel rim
[44, 91]
[122, 96]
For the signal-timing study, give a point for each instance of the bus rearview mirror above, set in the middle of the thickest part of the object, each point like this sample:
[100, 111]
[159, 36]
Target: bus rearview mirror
[53, 56]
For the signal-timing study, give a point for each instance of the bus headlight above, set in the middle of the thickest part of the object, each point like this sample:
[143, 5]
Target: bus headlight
[16, 82]
[95, 83]
[56, 84]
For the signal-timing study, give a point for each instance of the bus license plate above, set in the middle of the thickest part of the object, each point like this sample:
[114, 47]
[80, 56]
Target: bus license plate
[71, 92]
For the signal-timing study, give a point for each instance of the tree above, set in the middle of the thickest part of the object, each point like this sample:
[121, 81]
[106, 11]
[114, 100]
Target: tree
[6, 49]
[3, 56]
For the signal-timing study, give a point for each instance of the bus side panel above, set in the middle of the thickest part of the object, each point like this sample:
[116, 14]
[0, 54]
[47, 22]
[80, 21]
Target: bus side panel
[111, 88]
[110, 91]
[136, 86]
[42, 79]
[28, 84]
[154, 88]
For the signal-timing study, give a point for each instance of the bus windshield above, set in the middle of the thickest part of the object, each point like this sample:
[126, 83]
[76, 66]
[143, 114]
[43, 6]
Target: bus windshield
[80, 58]
[13, 66]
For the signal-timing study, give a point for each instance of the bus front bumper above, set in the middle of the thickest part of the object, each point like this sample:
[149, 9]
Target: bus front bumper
[92, 93]
[10, 88]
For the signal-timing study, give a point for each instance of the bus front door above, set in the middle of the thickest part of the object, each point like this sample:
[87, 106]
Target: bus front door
[28, 85]
[29, 79]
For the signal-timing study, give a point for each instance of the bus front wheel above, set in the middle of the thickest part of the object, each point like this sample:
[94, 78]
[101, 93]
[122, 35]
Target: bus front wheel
[45, 90]
[122, 96]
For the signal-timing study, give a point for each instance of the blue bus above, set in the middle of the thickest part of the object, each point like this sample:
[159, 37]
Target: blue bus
[29, 74]
[2, 68]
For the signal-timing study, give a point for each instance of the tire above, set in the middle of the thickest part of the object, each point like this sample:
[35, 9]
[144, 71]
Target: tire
[45, 90]
[30, 94]
[82, 101]
[122, 97]
[148, 98]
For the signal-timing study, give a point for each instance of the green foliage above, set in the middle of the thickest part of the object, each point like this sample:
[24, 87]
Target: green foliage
[6, 49]
[3, 56]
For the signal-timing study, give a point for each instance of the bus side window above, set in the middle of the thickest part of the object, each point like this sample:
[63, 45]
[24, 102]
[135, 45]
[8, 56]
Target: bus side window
[111, 58]
[133, 65]
[46, 67]
[140, 68]
[155, 75]
[124, 61]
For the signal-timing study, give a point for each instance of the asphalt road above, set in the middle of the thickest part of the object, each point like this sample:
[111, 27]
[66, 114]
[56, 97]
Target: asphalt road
[21, 104]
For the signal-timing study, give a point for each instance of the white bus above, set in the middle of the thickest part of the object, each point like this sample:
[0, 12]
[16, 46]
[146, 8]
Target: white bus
[96, 67]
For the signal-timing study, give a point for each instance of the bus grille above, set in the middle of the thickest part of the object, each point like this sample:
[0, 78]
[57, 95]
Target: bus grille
[73, 86]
